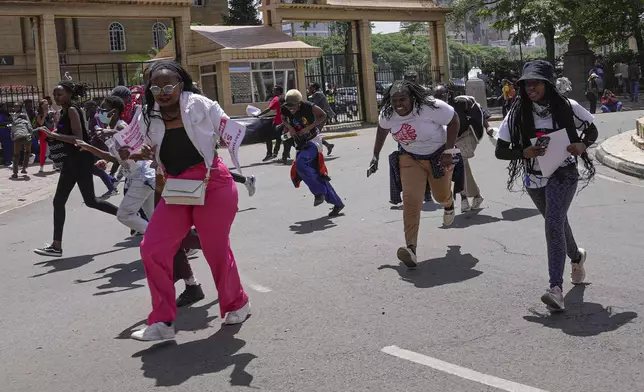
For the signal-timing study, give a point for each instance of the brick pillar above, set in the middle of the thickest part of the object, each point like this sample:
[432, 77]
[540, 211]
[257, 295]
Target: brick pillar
[224, 93]
[70, 39]
[47, 65]
[27, 35]
[182, 38]
[443, 53]
[368, 76]
[300, 77]
[433, 46]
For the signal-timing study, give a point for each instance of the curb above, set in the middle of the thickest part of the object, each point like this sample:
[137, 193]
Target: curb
[339, 135]
[619, 164]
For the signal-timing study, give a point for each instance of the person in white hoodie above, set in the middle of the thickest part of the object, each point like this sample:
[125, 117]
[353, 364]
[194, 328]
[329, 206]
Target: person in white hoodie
[181, 134]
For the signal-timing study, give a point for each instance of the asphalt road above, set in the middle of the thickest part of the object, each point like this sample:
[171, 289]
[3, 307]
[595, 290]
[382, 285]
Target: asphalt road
[329, 295]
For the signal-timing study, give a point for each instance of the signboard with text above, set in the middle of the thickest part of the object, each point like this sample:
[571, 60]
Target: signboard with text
[6, 60]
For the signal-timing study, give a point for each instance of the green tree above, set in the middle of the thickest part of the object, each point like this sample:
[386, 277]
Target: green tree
[525, 16]
[242, 13]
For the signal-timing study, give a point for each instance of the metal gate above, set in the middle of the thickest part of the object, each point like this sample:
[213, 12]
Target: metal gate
[102, 78]
[339, 78]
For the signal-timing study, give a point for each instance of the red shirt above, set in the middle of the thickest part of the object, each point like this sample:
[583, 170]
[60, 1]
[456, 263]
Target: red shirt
[276, 106]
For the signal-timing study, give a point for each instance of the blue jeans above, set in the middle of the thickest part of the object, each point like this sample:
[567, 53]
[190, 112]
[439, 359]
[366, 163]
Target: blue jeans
[305, 164]
[617, 107]
[635, 90]
[553, 201]
[7, 145]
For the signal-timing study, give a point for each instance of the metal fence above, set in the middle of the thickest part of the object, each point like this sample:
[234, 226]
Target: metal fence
[339, 77]
[14, 94]
[425, 76]
[100, 79]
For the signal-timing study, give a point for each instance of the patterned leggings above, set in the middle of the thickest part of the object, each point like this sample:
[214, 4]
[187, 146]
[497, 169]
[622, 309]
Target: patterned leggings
[553, 202]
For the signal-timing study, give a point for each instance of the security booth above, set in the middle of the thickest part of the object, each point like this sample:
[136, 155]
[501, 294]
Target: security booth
[239, 65]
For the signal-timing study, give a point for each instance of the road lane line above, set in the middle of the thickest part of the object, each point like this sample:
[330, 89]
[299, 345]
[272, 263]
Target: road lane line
[257, 287]
[459, 371]
[611, 179]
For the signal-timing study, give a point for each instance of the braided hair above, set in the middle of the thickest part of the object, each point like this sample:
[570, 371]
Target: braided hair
[522, 129]
[419, 97]
[76, 90]
[173, 67]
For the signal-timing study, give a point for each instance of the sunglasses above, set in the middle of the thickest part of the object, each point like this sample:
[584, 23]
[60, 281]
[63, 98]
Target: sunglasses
[156, 90]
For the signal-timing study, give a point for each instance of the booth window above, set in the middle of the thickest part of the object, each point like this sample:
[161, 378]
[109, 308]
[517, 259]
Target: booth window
[252, 82]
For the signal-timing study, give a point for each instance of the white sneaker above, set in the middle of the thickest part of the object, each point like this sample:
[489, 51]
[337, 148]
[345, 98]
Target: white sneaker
[407, 256]
[42, 169]
[156, 331]
[448, 217]
[250, 185]
[465, 205]
[554, 299]
[191, 252]
[32, 159]
[238, 316]
[476, 203]
[578, 274]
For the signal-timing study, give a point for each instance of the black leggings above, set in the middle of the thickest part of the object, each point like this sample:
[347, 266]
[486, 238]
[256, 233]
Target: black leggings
[76, 170]
[238, 178]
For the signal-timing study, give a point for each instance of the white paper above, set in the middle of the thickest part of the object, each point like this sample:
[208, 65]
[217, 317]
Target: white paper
[556, 153]
[131, 136]
[252, 110]
[232, 134]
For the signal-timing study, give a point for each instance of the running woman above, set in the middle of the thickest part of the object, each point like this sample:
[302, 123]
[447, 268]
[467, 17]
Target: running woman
[77, 166]
[538, 110]
[184, 146]
[302, 119]
[472, 122]
[44, 118]
[425, 130]
[139, 195]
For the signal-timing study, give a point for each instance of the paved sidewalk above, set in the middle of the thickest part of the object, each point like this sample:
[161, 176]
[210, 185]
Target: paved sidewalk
[619, 153]
[27, 189]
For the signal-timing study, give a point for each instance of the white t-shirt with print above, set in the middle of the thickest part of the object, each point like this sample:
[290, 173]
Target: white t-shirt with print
[544, 124]
[420, 133]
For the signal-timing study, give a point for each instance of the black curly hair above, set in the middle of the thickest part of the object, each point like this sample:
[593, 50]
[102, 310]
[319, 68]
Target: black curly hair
[522, 129]
[76, 90]
[419, 97]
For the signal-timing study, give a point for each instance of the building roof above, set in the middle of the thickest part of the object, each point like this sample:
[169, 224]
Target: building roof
[249, 37]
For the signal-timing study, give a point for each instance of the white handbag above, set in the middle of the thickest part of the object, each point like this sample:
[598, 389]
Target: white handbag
[186, 192]
[467, 143]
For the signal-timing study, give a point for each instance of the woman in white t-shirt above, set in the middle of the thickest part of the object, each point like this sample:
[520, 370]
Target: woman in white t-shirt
[425, 130]
[540, 109]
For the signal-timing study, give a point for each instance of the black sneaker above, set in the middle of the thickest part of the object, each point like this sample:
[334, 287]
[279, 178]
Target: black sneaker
[49, 251]
[329, 149]
[191, 295]
[319, 199]
[336, 211]
[267, 158]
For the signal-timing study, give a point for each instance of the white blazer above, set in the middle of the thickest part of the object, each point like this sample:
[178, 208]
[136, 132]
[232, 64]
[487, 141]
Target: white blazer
[201, 119]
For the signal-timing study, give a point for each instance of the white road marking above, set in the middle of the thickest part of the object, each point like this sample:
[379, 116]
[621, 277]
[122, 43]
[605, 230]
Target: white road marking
[459, 371]
[257, 287]
[607, 178]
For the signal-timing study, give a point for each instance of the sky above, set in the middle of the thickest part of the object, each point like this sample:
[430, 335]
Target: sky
[386, 27]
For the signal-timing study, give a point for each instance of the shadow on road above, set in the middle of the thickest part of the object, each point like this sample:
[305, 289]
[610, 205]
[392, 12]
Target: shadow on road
[582, 318]
[70, 263]
[475, 218]
[311, 226]
[172, 364]
[455, 267]
[189, 319]
[122, 278]
[428, 206]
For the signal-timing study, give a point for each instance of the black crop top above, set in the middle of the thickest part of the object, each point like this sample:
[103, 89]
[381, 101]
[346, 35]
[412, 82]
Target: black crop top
[177, 152]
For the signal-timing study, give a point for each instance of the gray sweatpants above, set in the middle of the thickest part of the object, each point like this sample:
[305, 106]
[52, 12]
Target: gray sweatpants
[553, 202]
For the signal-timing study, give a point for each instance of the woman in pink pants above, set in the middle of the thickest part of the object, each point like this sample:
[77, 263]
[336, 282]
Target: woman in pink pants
[181, 131]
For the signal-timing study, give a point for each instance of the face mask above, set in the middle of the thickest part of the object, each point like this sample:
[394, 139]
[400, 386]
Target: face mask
[103, 117]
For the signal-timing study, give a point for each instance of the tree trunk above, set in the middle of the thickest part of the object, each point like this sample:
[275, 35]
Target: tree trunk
[348, 49]
[549, 35]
